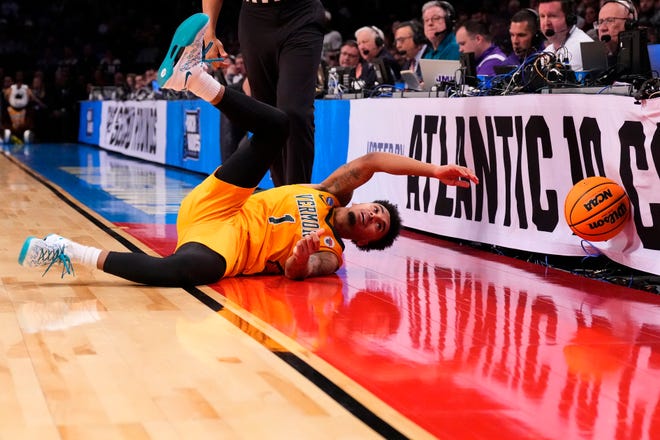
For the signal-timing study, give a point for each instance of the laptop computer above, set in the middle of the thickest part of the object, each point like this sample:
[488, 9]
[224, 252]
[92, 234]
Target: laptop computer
[438, 71]
[654, 58]
[594, 56]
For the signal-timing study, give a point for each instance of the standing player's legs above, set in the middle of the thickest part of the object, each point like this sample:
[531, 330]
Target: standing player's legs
[283, 59]
[299, 59]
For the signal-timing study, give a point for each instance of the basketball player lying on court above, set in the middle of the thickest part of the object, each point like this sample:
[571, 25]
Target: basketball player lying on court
[224, 228]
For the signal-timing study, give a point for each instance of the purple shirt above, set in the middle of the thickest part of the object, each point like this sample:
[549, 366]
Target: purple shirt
[493, 56]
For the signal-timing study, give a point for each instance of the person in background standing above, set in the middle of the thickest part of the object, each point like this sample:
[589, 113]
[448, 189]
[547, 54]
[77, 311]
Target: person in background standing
[281, 42]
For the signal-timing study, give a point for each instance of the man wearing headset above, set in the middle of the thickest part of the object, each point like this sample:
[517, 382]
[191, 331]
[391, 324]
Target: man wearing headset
[526, 37]
[410, 43]
[473, 36]
[558, 23]
[439, 18]
[613, 18]
[371, 43]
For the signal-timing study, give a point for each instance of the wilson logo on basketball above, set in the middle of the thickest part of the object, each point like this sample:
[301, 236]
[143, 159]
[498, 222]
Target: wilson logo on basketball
[598, 199]
[611, 218]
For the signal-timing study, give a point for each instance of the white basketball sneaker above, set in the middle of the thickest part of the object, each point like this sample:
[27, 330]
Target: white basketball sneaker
[37, 252]
[184, 58]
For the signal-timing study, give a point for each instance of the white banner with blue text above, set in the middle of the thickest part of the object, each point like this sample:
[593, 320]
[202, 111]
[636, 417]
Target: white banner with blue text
[135, 128]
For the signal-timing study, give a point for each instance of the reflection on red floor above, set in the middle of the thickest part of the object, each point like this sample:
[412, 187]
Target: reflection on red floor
[468, 344]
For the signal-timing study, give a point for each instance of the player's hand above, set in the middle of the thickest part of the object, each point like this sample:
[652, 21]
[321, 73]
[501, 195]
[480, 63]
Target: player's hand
[308, 245]
[456, 175]
[216, 52]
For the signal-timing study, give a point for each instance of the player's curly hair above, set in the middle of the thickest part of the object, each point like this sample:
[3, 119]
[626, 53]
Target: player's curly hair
[392, 233]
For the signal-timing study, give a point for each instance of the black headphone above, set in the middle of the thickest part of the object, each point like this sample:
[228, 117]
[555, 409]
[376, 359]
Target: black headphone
[632, 21]
[538, 38]
[379, 40]
[568, 6]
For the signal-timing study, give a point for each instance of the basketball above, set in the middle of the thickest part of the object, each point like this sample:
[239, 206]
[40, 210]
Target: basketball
[596, 208]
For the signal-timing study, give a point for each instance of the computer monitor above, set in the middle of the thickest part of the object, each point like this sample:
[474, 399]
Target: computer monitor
[633, 57]
[385, 75]
[654, 58]
[469, 66]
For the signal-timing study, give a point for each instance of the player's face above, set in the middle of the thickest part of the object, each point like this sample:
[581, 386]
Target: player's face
[369, 222]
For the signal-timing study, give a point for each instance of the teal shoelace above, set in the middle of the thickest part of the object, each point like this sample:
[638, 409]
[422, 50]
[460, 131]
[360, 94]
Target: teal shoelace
[205, 50]
[49, 256]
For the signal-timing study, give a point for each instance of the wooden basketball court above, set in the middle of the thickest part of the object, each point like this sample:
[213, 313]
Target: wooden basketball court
[427, 340]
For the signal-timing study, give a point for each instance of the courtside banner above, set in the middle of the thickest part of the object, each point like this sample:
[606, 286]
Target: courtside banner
[528, 151]
[135, 128]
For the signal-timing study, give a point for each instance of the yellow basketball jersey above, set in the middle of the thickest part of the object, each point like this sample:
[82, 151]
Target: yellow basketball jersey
[279, 217]
[256, 233]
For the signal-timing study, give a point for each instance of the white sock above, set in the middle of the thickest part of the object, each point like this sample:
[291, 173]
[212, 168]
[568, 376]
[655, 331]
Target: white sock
[79, 253]
[205, 86]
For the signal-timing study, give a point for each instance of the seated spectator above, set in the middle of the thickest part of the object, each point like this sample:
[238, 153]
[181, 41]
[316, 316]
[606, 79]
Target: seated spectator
[647, 13]
[411, 43]
[590, 18]
[439, 18]
[241, 72]
[559, 25]
[612, 19]
[473, 36]
[18, 96]
[371, 43]
[526, 37]
[348, 59]
[331, 46]
[349, 54]
[39, 104]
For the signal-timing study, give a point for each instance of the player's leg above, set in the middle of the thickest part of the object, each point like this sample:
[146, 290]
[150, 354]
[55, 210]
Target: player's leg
[183, 69]
[299, 59]
[191, 265]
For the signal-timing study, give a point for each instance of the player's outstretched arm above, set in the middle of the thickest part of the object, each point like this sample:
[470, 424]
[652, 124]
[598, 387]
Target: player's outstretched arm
[357, 172]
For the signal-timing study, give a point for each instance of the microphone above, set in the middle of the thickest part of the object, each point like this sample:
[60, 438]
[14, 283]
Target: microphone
[550, 32]
[606, 38]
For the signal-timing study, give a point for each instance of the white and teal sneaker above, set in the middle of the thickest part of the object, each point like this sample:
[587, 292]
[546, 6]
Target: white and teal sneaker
[185, 55]
[37, 252]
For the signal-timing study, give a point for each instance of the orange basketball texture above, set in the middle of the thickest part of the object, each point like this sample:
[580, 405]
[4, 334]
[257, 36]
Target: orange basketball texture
[596, 208]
